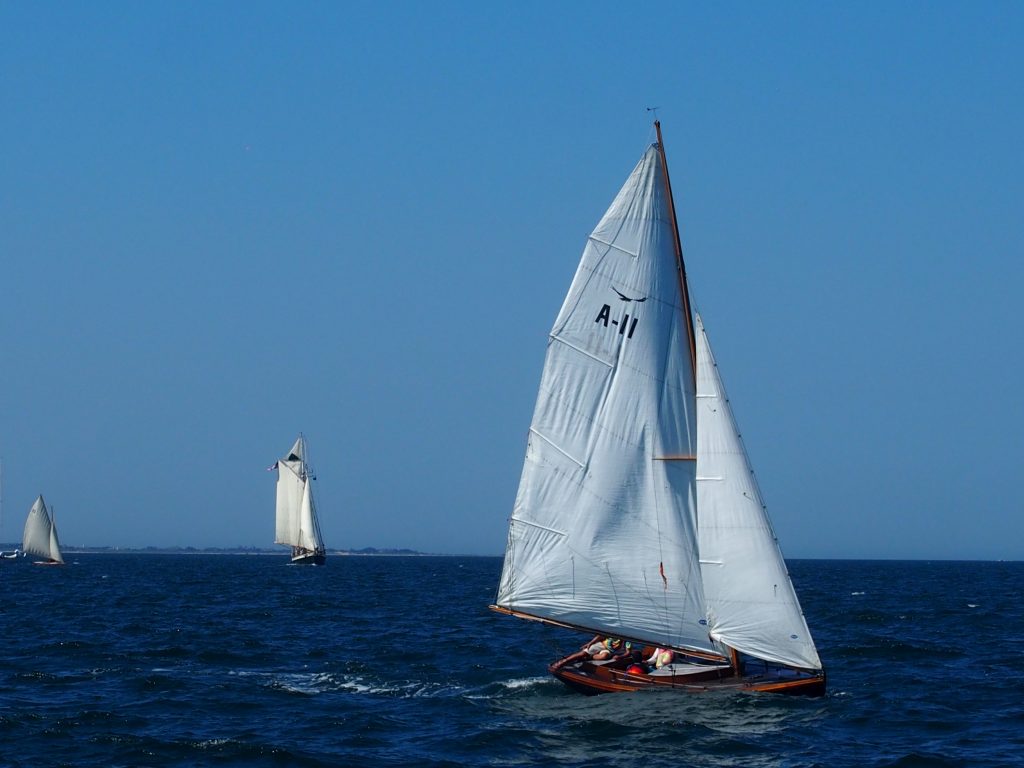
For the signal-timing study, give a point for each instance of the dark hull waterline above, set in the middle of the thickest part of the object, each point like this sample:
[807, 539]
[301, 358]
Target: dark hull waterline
[309, 559]
[591, 677]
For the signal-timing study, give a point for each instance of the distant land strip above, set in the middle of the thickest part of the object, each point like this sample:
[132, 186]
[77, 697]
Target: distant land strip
[365, 551]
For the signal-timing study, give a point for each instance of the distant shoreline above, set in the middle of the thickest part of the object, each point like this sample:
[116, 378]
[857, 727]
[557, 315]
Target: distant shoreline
[390, 552]
[364, 552]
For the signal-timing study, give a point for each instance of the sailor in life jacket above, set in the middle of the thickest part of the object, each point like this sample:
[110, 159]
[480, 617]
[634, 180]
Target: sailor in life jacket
[660, 658]
[597, 649]
[608, 648]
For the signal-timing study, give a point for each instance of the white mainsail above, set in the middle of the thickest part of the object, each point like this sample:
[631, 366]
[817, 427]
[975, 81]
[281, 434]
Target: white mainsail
[40, 537]
[752, 605]
[296, 523]
[603, 533]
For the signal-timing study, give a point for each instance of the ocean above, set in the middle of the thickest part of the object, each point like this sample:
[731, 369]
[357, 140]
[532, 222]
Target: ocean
[218, 660]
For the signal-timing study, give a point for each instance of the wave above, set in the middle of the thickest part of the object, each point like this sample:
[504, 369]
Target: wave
[317, 683]
[528, 682]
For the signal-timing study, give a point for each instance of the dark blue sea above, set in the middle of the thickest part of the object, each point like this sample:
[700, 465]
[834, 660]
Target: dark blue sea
[212, 660]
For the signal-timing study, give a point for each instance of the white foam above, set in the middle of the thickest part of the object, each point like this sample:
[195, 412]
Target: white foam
[526, 682]
[312, 683]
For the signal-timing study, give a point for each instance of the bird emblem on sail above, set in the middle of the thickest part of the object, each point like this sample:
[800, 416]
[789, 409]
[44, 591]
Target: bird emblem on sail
[624, 297]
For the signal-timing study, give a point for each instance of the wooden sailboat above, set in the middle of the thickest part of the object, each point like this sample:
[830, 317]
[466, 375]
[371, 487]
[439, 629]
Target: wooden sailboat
[637, 517]
[297, 524]
[40, 537]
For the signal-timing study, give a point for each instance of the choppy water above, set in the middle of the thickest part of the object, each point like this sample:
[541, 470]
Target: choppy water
[194, 660]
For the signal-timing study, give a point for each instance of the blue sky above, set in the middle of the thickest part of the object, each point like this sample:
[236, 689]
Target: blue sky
[221, 224]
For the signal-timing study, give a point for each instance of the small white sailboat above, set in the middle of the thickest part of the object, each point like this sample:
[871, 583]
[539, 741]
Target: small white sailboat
[637, 517]
[297, 523]
[40, 537]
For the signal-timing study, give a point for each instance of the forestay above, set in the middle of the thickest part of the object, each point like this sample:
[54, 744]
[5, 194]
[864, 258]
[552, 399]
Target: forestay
[603, 532]
[752, 605]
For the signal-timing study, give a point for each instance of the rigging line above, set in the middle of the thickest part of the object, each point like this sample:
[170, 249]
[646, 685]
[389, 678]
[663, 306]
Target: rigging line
[615, 594]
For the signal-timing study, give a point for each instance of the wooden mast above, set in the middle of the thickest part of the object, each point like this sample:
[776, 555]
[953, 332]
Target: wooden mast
[687, 312]
[683, 288]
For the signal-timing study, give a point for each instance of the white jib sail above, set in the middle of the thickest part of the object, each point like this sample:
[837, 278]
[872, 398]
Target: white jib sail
[40, 536]
[752, 606]
[55, 544]
[307, 537]
[603, 532]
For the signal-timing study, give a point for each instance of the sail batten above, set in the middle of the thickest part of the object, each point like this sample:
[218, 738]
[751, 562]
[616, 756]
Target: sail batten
[555, 445]
[596, 239]
[524, 521]
[560, 339]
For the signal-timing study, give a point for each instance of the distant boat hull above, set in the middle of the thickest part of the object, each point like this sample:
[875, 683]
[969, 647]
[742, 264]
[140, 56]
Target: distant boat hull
[592, 678]
[309, 558]
[47, 562]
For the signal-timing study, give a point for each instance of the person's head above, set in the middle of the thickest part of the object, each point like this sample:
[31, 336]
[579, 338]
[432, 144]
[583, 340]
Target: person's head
[613, 643]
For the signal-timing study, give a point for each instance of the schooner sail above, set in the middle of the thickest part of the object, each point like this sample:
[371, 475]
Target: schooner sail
[297, 522]
[40, 537]
[618, 527]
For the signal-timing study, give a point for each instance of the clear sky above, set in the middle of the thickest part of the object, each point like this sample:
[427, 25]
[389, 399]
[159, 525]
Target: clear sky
[224, 223]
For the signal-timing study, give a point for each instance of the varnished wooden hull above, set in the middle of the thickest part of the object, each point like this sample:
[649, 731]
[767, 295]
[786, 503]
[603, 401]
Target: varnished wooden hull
[590, 678]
